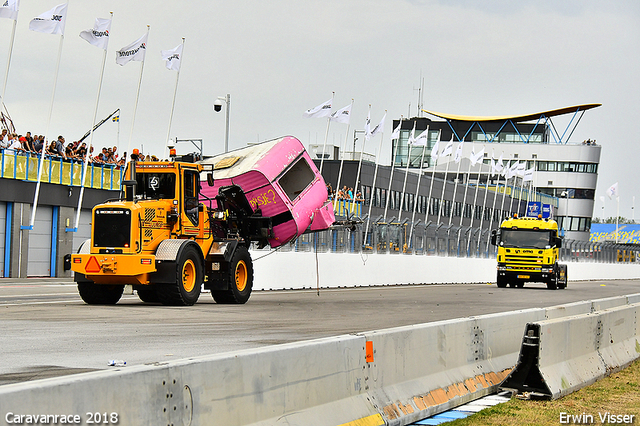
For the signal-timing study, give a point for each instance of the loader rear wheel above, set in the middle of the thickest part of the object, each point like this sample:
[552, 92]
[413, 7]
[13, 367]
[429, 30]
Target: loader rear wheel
[188, 283]
[240, 278]
[100, 294]
[148, 294]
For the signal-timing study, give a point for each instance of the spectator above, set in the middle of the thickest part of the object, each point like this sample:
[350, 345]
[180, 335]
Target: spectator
[81, 152]
[3, 139]
[16, 145]
[60, 147]
[51, 149]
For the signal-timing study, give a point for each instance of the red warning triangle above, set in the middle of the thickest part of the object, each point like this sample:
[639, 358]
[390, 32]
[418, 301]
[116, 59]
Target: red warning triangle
[92, 265]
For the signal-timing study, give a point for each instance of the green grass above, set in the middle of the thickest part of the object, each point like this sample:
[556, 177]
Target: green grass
[617, 394]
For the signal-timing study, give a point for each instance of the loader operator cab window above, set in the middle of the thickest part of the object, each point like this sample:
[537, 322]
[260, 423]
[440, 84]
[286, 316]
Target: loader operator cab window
[191, 191]
[156, 186]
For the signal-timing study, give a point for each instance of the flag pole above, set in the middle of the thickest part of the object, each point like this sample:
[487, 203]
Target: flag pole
[40, 166]
[455, 188]
[495, 198]
[355, 187]
[326, 134]
[375, 176]
[346, 136]
[6, 73]
[444, 184]
[135, 105]
[433, 173]
[86, 158]
[406, 172]
[484, 202]
[464, 196]
[393, 165]
[415, 202]
[175, 91]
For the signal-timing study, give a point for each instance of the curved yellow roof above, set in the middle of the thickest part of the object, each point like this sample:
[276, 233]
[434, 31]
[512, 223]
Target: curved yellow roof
[516, 118]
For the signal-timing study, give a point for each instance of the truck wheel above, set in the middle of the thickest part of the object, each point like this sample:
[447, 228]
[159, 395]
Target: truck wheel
[502, 282]
[148, 294]
[100, 294]
[240, 277]
[188, 283]
[552, 284]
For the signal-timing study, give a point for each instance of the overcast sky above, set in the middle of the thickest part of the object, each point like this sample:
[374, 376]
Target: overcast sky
[278, 58]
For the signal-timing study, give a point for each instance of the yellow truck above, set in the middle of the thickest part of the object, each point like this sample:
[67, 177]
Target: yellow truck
[529, 251]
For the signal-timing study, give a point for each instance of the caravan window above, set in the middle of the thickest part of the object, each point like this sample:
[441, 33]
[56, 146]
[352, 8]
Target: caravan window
[296, 179]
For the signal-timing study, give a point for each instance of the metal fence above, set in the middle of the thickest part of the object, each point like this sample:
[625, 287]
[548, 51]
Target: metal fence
[14, 165]
[439, 240]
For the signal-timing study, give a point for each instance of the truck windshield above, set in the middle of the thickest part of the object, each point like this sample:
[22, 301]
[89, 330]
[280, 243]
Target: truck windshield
[525, 238]
[156, 185]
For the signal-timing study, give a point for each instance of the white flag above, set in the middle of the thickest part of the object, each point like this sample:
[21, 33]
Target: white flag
[476, 158]
[500, 166]
[380, 127]
[9, 9]
[133, 52]
[173, 57]
[528, 175]
[521, 168]
[613, 190]
[458, 156]
[50, 22]
[412, 135]
[422, 138]
[321, 111]
[434, 150]
[367, 126]
[447, 149]
[396, 131]
[342, 115]
[496, 167]
[99, 35]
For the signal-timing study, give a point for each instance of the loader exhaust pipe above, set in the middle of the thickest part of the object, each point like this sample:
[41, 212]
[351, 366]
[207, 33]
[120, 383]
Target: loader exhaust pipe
[130, 185]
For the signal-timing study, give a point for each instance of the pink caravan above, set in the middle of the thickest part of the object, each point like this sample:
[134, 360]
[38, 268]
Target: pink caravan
[280, 182]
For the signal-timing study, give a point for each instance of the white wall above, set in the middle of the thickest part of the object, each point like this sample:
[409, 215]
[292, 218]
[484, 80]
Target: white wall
[290, 270]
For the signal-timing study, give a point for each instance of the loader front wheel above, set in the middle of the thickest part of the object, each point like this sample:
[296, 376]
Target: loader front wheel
[188, 283]
[100, 294]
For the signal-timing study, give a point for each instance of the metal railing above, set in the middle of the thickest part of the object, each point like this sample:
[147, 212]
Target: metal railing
[439, 240]
[21, 166]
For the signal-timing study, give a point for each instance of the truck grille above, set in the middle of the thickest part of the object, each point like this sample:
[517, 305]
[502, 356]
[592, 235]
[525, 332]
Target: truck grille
[524, 262]
[112, 228]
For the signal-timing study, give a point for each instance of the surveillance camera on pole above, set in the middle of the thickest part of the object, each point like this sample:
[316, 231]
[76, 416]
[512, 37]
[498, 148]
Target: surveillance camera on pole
[217, 105]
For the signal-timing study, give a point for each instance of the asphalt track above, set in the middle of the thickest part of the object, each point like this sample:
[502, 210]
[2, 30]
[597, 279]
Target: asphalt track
[46, 329]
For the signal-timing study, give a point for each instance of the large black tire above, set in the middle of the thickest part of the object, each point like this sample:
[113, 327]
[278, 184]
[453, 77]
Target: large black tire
[562, 283]
[240, 278]
[185, 291]
[502, 282]
[100, 294]
[552, 284]
[148, 294]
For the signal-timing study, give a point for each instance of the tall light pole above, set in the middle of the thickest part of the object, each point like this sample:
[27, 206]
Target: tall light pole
[217, 106]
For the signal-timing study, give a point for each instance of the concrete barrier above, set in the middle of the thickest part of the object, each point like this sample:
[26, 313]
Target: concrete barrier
[562, 355]
[273, 271]
[422, 370]
[385, 377]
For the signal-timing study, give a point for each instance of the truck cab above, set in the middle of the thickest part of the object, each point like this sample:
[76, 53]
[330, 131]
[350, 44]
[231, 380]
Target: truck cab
[529, 251]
